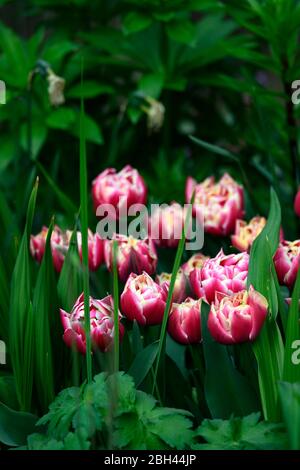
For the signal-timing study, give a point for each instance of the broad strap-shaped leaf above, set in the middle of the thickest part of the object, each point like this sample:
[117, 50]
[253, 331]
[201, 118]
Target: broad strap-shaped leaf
[21, 334]
[227, 392]
[290, 404]
[268, 347]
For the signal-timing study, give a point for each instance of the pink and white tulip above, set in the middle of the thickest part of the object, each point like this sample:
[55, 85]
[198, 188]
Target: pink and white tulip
[143, 300]
[166, 225]
[219, 204]
[59, 246]
[120, 189]
[287, 262]
[101, 324]
[238, 317]
[133, 256]
[184, 323]
[180, 288]
[245, 233]
[224, 273]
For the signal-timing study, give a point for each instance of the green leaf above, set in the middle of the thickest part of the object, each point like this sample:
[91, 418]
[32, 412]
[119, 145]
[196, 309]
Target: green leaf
[237, 395]
[246, 433]
[45, 310]
[21, 334]
[15, 426]
[84, 233]
[290, 404]
[143, 363]
[291, 370]
[90, 89]
[134, 22]
[62, 118]
[8, 395]
[152, 84]
[182, 31]
[38, 137]
[92, 131]
[65, 202]
[268, 347]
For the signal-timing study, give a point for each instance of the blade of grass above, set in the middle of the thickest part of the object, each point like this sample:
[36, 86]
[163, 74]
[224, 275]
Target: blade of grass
[176, 266]
[45, 311]
[84, 235]
[21, 334]
[116, 308]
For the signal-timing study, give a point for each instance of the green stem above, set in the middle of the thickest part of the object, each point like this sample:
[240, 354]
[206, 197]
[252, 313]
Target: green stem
[84, 235]
[116, 308]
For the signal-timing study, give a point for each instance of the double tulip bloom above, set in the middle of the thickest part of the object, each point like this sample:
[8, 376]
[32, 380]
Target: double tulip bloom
[237, 318]
[143, 300]
[180, 288]
[59, 246]
[184, 323]
[287, 262]
[224, 273]
[246, 233]
[133, 255]
[219, 204]
[101, 324]
[166, 225]
[120, 189]
[60, 242]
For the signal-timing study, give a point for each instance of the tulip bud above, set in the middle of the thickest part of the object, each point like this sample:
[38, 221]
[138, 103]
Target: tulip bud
[143, 300]
[297, 203]
[95, 249]
[133, 256]
[287, 262]
[224, 273]
[184, 323]
[101, 324]
[245, 234]
[180, 288]
[121, 189]
[166, 225]
[238, 317]
[59, 246]
[219, 204]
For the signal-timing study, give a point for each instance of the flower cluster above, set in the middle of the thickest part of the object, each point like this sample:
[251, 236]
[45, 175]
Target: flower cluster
[237, 314]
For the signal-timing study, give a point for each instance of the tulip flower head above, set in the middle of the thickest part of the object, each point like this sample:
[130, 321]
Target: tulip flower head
[220, 204]
[59, 246]
[297, 203]
[184, 323]
[224, 273]
[133, 255]
[238, 317]
[143, 300]
[120, 189]
[287, 262]
[180, 288]
[245, 233]
[101, 324]
[166, 225]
